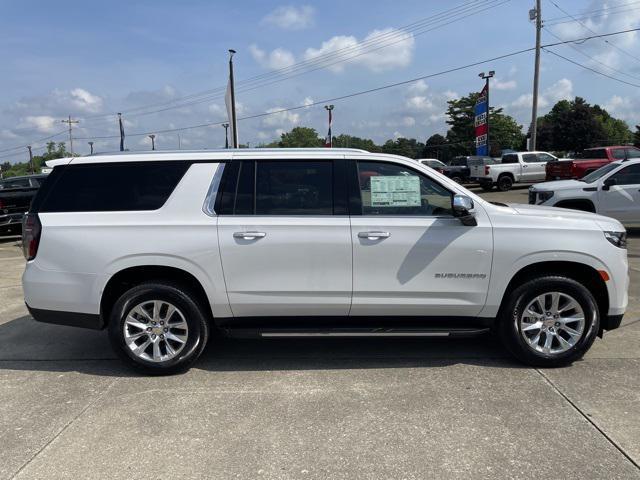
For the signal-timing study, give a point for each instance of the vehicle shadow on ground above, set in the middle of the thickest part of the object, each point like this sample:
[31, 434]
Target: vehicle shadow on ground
[31, 346]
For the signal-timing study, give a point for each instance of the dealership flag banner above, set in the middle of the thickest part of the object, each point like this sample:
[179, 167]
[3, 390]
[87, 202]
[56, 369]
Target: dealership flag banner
[482, 129]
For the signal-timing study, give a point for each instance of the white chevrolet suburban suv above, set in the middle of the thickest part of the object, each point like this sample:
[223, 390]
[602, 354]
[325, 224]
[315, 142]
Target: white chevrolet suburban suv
[161, 247]
[521, 167]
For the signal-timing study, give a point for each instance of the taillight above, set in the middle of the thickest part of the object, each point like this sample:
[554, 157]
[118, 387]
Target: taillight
[486, 169]
[31, 229]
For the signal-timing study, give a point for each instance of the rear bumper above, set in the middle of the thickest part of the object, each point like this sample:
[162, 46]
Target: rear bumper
[71, 319]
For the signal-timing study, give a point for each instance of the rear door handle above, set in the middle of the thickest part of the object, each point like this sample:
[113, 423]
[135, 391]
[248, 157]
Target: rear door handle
[374, 234]
[249, 235]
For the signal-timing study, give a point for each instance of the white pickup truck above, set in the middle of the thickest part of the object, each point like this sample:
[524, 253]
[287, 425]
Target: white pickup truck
[522, 167]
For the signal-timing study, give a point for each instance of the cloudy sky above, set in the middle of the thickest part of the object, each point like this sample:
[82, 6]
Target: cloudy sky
[164, 65]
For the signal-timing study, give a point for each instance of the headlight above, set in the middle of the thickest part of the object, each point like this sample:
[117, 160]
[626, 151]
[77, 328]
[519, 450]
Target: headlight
[619, 239]
[544, 196]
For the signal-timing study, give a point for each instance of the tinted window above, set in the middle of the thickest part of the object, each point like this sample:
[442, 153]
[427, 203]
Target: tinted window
[529, 158]
[633, 153]
[628, 176]
[511, 158]
[459, 162]
[113, 186]
[15, 183]
[544, 157]
[294, 188]
[245, 189]
[596, 153]
[618, 154]
[393, 190]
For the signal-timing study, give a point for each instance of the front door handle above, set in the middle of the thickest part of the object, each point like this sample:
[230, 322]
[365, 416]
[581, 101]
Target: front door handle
[249, 235]
[374, 234]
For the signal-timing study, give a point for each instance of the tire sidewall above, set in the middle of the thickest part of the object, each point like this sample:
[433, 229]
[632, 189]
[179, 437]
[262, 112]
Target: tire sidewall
[520, 298]
[197, 334]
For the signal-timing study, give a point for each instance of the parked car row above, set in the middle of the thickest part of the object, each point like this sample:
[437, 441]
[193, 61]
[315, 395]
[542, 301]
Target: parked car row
[16, 194]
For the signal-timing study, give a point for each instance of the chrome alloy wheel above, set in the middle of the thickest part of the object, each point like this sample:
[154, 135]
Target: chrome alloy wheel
[155, 331]
[552, 323]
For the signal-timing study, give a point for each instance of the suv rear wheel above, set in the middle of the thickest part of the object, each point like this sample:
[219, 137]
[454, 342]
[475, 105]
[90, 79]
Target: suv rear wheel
[158, 328]
[549, 321]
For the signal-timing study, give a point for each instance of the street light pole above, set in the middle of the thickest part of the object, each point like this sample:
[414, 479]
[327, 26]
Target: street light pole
[328, 142]
[91, 146]
[226, 135]
[153, 141]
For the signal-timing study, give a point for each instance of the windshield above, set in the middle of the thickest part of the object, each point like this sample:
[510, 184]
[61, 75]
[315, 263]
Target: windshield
[594, 176]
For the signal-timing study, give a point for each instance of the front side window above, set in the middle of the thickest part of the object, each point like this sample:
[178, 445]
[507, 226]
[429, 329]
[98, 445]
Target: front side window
[633, 153]
[395, 190]
[545, 157]
[294, 188]
[618, 153]
[628, 176]
[530, 158]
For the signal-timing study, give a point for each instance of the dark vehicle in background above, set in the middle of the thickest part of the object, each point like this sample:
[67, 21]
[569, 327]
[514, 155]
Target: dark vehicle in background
[16, 194]
[589, 161]
[458, 168]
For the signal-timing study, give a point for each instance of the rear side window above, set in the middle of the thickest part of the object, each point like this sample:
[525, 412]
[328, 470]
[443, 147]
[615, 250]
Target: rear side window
[633, 153]
[597, 153]
[294, 188]
[108, 187]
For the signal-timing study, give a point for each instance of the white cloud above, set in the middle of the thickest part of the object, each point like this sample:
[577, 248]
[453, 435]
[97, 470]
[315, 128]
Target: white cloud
[418, 87]
[42, 123]
[280, 118]
[398, 54]
[85, 100]
[419, 103]
[308, 101]
[276, 59]
[561, 90]
[291, 17]
[408, 121]
[624, 108]
[498, 84]
[398, 135]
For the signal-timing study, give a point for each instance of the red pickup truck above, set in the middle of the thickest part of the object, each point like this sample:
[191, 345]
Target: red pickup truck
[588, 161]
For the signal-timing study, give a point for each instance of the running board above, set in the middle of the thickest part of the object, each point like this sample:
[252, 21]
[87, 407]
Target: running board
[362, 332]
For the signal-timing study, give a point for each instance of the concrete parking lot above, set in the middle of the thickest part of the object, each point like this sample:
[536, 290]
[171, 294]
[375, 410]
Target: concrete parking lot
[314, 409]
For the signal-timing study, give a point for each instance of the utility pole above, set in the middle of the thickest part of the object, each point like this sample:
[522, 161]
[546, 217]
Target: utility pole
[153, 141]
[535, 14]
[179, 143]
[232, 94]
[70, 123]
[31, 160]
[226, 135]
[91, 146]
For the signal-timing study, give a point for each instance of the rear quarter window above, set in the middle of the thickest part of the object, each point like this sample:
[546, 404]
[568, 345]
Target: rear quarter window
[107, 187]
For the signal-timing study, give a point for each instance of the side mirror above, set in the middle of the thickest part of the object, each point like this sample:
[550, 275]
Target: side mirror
[608, 183]
[462, 207]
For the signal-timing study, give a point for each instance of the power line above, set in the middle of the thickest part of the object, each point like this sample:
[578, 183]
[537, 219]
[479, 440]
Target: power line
[360, 48]
[591, 69]
[377, 89]
[590, 16]
[35, 141]
[592, 31]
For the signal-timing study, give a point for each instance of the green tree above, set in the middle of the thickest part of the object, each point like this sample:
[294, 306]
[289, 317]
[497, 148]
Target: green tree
[17, 169]
[407, 147]
[349, 141]
[436, 147]
[636, 137]
[504, 131]
[300, 137]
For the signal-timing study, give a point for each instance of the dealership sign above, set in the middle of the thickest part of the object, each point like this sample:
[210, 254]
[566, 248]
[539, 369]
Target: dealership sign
[481, 122]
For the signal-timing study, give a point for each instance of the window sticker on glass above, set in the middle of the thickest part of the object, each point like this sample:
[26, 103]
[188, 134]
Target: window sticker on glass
[395, 191]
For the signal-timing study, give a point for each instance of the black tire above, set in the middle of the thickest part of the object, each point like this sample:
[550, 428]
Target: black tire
[185, 301]
[509, 324]
[487, 187]
[505, 183]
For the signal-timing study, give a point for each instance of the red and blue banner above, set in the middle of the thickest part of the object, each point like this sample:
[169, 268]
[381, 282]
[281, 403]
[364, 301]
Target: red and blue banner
[481, 122]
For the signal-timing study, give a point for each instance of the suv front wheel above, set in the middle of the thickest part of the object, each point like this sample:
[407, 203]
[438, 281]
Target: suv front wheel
[549, 321]
[158, 328]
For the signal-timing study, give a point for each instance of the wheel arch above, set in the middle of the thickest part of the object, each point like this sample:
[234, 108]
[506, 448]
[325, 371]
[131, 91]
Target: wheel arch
[580, 272]
[128, 277]
[507, 174]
